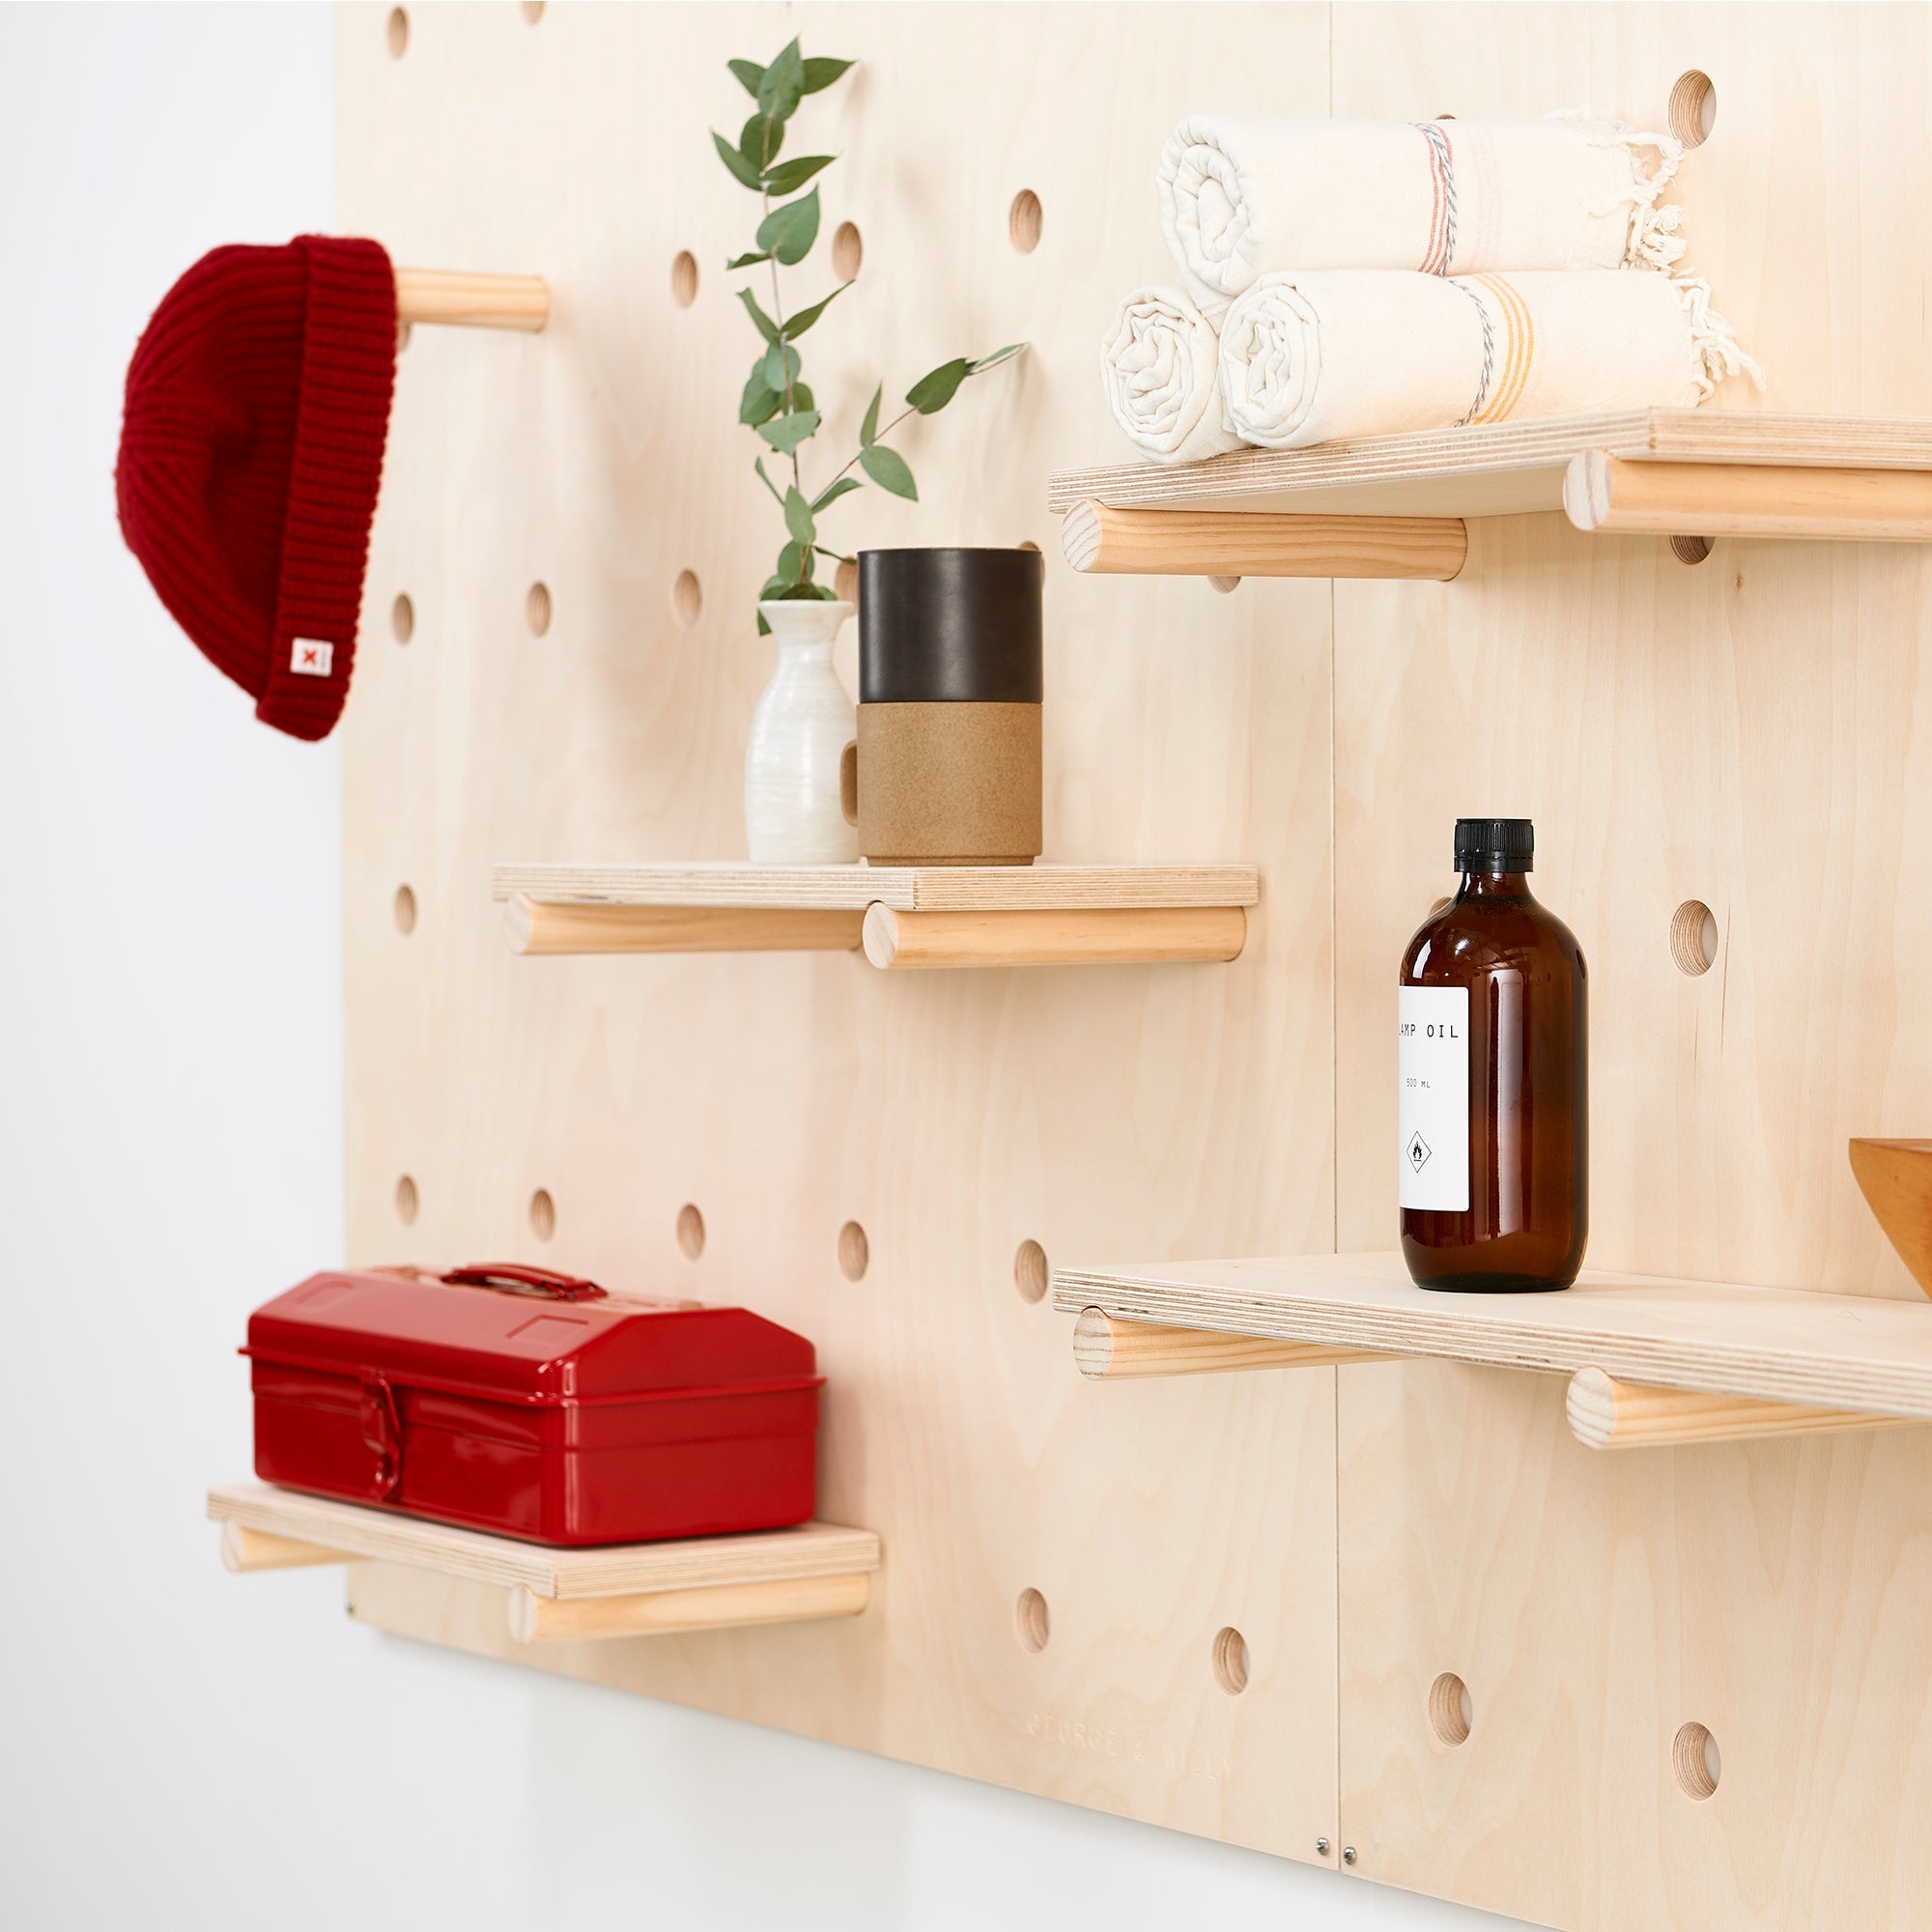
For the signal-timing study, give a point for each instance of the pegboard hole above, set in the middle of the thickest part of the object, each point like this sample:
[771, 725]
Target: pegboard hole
[1695, 1762]
[403, 619]
[687, 598]
[407, 1199]
[855, 1252]
[689, 1232]
[533, 10]
[1027, 543]
[399, 33]
[1226, 585]
[849, 250]
[1030, 1271]
[543, 1214]
[1693, 937]
[403, 333]
[1230, 1661]
[536, 609]
[1452, 1717]
[1689, 549]
[406, 911]
[845, 584]
[684, 278]
[1031, 1623]
[1023, 221]
[1693, 108]
[1439, 905]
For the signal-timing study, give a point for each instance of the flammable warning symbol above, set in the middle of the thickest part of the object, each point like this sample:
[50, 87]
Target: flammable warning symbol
[1418, 1151]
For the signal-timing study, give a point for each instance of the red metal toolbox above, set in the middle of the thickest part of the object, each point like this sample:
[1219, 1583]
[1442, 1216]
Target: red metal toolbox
[534, 1405]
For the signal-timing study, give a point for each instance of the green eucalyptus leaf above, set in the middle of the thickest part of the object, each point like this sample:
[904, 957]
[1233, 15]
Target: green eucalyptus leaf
[783, 84]
[831, 493]
[767, 327]
[887, 467]
[868, 430]
[810, 593]
[760, 466]
[789, 231]
[778, 367]
[760, 402]
[802, 397]
[933, 391]
[805, 316]
[791, 564]
[798, 516]
[750, 74]
[789, 431]
[788, 176]
[775, 587]
[821, 74]
[746, 260]
[837, 557]
[994, 361]
[735, 162]
[765, 629]
[758, 143]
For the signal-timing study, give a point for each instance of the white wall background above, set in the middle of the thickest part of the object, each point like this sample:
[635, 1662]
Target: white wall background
[179, 1746]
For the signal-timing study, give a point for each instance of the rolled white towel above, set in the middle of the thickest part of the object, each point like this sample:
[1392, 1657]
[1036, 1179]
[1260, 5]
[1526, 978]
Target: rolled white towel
[1242, 198]
[1159, 363]
[1374, 351]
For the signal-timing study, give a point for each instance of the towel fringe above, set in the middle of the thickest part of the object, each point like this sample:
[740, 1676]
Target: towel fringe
[1654, 241]
[1714, 342]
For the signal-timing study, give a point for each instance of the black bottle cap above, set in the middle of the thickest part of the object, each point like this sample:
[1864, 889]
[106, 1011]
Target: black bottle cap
[950, 626]
[1495, 845]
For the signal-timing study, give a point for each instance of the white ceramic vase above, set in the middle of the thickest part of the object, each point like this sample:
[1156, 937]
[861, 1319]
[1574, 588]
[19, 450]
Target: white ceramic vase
[802, 725]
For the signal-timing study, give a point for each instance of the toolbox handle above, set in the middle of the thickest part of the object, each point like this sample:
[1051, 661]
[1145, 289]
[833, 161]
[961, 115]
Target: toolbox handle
[510, 1278]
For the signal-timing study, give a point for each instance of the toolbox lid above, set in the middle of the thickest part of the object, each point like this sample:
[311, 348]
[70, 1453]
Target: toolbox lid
[523, 1335]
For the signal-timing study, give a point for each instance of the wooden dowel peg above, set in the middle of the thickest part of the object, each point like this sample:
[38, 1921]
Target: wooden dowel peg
[535, 1619]
[1606, 1413]
[1107, 1349]
[545, 926]
[1742, 500]
[473, 301]
[1232, 543]
[1059, 936]
[247, 1549]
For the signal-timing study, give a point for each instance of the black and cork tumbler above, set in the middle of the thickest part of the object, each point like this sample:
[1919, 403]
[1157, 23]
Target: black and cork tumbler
[945, 770]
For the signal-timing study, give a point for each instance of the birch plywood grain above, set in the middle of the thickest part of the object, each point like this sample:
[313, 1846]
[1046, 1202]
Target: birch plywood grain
[1495, 468]
[1755, 733]
[1594, 1604]
[951, 1118]
[812, 1549]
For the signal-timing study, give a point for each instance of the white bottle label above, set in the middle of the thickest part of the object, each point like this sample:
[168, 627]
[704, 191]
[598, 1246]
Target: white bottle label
[1433, 1061]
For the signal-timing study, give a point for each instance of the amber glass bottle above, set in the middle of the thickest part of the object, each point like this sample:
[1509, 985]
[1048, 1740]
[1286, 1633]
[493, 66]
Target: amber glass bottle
[1493, 1049]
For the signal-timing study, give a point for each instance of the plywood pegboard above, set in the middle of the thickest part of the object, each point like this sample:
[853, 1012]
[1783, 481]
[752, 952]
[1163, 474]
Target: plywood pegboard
[784, 1096]
[1751, 731]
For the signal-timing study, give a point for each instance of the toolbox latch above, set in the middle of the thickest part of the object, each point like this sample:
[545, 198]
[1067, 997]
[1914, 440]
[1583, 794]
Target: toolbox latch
[382, 1432]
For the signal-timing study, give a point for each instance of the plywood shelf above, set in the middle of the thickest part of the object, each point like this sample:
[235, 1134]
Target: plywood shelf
[1652, 1360]
[903, 916]
[637, 1589]
[1664, 471]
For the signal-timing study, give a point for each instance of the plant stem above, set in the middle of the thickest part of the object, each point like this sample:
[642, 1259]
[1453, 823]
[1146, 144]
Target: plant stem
[880, 438]
[785, 357]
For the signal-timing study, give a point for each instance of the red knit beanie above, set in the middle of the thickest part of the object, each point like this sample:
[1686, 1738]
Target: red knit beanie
[252, 450]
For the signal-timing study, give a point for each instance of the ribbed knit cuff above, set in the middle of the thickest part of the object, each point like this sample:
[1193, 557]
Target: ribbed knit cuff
[348, 378]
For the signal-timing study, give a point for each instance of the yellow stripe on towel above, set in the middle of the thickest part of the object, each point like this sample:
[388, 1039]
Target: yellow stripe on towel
[1520, 338]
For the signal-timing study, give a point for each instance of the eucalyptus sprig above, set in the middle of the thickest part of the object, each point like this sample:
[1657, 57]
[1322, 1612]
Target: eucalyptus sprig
[777, 402]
